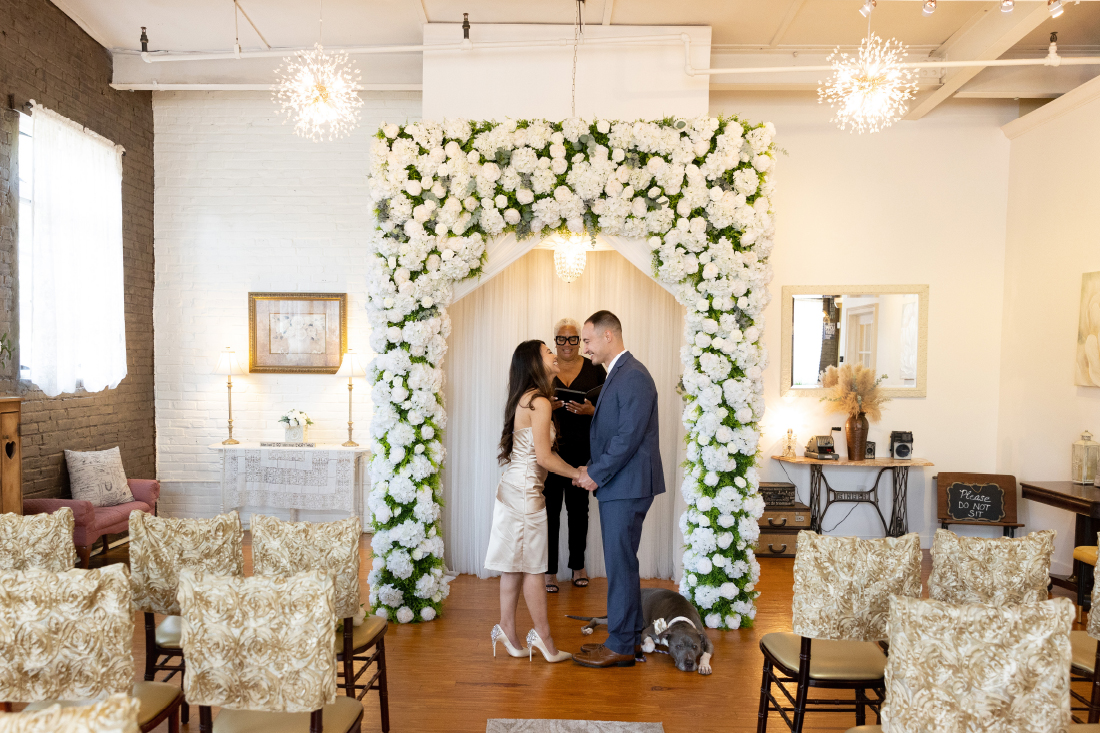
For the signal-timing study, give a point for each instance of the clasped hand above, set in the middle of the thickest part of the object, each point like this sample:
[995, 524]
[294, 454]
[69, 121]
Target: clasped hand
[585, 481]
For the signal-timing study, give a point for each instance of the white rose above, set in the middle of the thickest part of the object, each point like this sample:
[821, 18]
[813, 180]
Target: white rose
[511, 216]
[603, 126]
[473, 157]
[390, 130]
[427, 302]
[413, 187]
[501, 201]
[618, 155]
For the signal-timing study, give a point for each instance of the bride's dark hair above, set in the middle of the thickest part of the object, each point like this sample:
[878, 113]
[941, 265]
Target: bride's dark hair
[528, 372]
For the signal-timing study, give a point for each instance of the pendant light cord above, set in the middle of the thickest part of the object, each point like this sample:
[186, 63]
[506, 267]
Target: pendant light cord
[578, 30]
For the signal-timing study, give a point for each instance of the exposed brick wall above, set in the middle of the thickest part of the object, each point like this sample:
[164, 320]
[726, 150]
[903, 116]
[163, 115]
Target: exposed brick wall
[45, 56]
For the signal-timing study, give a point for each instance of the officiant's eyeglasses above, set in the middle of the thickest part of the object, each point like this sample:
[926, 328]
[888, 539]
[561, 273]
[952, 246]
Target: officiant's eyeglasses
[563, 340]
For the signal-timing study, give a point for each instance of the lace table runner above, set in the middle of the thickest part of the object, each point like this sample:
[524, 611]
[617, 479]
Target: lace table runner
[291, 478]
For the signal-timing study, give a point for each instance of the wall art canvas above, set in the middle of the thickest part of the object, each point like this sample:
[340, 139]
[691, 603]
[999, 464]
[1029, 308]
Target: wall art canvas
[296, 333]
[1088, 332]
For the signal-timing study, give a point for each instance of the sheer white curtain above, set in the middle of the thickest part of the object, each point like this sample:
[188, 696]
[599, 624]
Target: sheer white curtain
[77, 322]
[521, 302]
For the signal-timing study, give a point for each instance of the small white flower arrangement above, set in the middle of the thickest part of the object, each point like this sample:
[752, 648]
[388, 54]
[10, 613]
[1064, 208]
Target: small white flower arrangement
[295, 419]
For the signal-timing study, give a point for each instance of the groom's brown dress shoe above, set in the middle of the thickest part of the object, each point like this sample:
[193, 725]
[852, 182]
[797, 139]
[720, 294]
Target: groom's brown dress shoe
[592, 646]
[601, 656]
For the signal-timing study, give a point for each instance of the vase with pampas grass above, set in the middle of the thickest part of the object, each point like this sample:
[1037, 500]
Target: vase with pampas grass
[854, 392]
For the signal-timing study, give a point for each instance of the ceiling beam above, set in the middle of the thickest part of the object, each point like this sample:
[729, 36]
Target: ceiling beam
[792, 12]
[608, 9]
[421, 13]
[988, 38]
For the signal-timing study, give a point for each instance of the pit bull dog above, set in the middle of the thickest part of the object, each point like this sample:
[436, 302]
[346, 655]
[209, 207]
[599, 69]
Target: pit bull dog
[671, 621]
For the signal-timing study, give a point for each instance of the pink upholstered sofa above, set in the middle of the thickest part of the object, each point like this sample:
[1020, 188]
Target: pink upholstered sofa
[94, 522]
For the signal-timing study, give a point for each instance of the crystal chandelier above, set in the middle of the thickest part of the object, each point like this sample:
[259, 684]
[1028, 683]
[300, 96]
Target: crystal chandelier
[871, 91]
[570, 255]
[318, 91]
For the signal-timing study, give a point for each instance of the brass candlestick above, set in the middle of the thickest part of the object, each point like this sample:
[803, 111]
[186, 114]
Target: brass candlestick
[229, 440]
[350, 443]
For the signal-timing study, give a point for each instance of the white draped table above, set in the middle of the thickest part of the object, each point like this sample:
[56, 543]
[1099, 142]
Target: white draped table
[322, 477]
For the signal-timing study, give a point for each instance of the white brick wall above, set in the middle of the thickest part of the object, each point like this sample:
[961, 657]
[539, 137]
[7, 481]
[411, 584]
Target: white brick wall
[242, 204]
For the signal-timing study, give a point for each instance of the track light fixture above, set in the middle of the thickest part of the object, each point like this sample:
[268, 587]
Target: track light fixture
[929, 7]
[1007, 5]
[1055, 8]
[868, 7]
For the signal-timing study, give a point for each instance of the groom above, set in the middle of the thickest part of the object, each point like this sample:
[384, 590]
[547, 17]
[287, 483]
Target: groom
[625, 472]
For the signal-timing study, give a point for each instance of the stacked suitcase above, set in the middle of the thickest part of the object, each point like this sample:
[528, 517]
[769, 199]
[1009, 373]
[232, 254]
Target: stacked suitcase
[782, 520]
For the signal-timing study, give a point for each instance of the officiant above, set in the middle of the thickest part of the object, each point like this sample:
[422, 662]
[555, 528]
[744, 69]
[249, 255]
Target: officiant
[576, 387]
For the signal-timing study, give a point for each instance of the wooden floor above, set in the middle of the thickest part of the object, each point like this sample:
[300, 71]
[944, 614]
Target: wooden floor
[443, 677]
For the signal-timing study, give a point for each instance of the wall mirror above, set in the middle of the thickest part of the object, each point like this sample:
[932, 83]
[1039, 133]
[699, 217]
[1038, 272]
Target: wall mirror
[883, 327]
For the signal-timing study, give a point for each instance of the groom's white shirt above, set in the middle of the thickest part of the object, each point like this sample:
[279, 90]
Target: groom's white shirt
[613, 361]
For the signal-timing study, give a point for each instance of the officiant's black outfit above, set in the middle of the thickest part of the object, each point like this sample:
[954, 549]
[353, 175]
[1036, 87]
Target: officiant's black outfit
[574, 449]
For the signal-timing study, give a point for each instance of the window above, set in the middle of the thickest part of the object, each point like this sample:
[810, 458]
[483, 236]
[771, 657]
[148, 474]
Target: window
[26, 235]
[72, 328]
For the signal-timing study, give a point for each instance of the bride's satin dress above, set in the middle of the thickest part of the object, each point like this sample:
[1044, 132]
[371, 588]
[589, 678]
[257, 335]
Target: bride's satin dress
[518, 540]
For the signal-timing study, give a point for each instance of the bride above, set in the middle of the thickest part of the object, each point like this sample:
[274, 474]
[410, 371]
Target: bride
[517, 543]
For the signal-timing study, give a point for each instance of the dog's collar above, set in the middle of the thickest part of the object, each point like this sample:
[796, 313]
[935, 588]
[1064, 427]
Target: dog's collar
[660, 625]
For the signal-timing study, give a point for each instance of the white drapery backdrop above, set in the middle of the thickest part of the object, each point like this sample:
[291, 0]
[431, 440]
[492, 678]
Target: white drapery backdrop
[522, 299]
[77, 320]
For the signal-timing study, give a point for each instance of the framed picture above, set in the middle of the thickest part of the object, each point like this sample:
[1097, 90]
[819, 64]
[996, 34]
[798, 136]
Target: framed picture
[297, 333]
[1087, 372]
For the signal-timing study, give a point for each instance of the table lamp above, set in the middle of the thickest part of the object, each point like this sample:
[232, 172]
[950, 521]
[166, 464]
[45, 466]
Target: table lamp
[228, 365]
[351, 367]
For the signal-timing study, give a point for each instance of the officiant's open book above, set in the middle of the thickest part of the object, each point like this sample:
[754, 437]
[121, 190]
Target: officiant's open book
[575, 395]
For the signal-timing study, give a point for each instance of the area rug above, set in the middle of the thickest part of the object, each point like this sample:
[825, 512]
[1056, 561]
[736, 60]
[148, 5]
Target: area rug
[500, 725]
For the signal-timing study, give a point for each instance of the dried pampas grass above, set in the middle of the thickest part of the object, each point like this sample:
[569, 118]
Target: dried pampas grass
[855, 389]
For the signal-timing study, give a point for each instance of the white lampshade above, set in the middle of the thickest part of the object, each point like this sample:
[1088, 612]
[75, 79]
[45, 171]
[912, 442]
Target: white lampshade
[352, 366]
[228, 364]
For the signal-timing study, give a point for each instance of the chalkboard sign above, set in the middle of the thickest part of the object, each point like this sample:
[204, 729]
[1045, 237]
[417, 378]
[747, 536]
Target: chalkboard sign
[975, 502]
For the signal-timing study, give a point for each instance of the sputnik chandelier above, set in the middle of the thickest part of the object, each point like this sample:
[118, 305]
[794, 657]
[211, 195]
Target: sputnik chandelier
[870, 91]
[318, 91]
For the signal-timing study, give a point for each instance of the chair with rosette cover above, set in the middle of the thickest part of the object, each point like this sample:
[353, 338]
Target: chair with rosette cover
[37, 541]
[67, 638]
[159, 548]
[996, 571]
[260, 648]
[842, 588]
[1086, 658]
[115, 714]
[283, 549]
[976, 666]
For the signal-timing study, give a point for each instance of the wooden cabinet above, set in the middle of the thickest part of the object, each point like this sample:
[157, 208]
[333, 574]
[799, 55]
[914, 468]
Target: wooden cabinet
[11, 457]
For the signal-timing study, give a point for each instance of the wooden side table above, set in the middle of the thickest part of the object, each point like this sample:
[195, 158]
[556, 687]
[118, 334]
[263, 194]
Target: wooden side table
[899, 470]
[1084, 501]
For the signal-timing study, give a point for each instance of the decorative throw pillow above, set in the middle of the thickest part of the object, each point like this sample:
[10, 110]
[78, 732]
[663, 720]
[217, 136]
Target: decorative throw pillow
[976, 667]
[990, 570]
[98, 477]
[842, 585]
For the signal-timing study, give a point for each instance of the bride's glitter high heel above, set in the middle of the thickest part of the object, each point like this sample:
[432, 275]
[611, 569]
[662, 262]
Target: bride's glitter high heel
[498, 634]
[534, 641]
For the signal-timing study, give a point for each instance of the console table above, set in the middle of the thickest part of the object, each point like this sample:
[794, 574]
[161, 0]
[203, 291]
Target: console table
[322, 477]
[899, 469]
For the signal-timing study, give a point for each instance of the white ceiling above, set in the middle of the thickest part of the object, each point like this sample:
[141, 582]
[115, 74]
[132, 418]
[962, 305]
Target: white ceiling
[744, 33]
[207, 25]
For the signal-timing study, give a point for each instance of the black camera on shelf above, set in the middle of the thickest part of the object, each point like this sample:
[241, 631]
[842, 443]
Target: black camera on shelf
[901, 444]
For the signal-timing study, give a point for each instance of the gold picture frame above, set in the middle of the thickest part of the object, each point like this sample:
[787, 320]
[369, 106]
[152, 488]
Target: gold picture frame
[297, 333]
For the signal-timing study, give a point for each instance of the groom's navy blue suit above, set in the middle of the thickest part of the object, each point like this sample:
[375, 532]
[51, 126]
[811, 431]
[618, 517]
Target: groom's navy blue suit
[626, 466]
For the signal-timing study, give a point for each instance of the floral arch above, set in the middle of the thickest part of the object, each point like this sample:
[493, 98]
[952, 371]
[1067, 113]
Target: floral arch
[698, 190]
